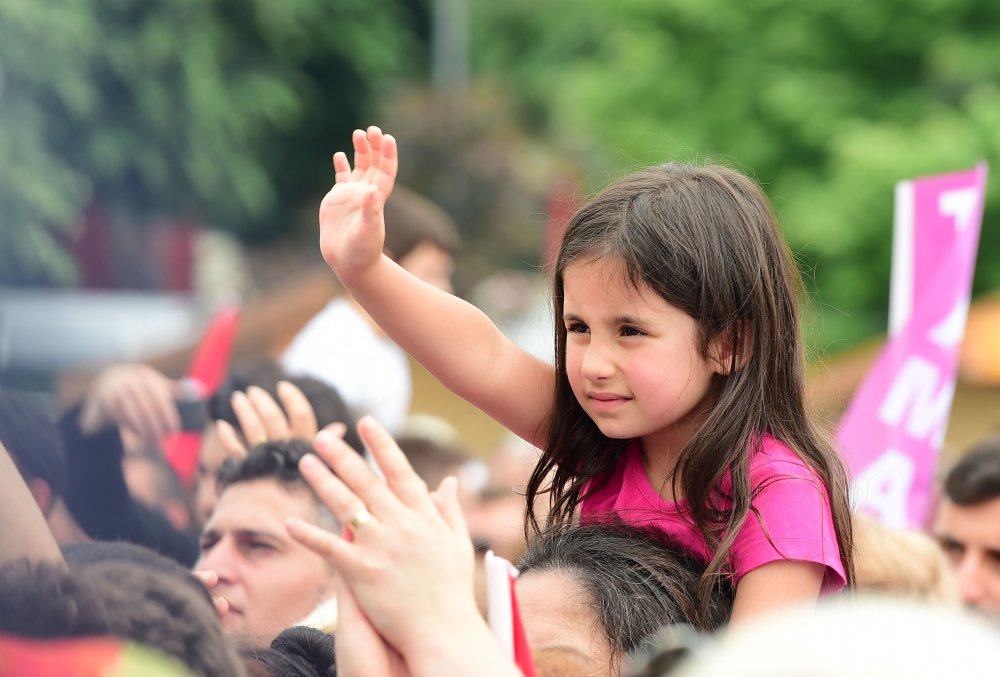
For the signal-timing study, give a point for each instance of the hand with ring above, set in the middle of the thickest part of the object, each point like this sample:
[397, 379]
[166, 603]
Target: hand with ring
[406, 556]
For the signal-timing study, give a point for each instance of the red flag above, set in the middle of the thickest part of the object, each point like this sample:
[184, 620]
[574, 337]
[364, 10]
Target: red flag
[206, 372]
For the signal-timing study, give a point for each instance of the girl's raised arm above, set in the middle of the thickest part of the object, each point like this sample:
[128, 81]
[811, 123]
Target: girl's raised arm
[453, 339]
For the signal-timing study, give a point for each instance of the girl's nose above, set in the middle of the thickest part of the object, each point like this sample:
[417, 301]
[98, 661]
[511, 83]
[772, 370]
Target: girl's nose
[597, 363]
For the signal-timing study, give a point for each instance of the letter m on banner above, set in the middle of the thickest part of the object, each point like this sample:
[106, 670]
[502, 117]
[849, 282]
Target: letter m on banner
[892, 432]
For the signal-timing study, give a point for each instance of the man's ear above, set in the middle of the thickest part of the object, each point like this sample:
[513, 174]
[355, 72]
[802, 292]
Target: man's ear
[729, 351]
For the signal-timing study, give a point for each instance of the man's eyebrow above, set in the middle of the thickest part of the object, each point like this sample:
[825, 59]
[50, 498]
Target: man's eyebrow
[256, 533]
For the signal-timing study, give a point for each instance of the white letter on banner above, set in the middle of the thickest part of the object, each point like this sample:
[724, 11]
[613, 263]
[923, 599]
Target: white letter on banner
[884, 486]
[914, 390]
[959, 204]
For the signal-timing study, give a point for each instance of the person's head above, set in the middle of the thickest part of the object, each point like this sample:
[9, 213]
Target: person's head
[420, 237]
[297, 652]
[120, 599]
[900, 563]
[600, 591]
[269, 579]
[30, 435]
[968, 525]
[676, 322]
[326, 402]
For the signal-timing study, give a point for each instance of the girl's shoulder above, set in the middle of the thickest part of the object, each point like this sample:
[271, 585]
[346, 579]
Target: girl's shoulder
[774, 457]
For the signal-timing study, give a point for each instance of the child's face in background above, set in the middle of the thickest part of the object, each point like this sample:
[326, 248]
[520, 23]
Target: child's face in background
[632, 359]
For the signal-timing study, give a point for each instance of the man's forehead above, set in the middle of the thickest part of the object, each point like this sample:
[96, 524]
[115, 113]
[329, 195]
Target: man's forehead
[980, 521]
[255, 503]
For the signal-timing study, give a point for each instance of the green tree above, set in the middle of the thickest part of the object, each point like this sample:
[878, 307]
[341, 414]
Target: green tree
[206, 109]
[827, 103]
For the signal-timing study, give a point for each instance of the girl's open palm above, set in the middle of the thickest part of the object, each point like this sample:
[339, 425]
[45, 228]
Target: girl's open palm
[351, 220]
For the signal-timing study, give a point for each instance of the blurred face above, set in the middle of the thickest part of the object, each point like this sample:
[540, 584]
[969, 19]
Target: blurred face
[562, 625]
[431, 264]
[632, 359]
[970, 535]
[269, 580]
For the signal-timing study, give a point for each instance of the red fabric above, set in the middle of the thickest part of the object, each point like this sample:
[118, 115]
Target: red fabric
[206, 372]
[522, 651]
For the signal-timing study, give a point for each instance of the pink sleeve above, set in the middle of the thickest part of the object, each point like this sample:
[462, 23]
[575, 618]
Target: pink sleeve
[793, 522]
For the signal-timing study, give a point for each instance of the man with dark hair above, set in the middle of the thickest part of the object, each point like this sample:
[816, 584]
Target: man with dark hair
[968, 525]
[269, 580]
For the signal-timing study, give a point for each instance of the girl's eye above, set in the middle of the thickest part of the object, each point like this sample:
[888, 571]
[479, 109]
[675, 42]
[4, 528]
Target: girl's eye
[631, 331]
[577, 328]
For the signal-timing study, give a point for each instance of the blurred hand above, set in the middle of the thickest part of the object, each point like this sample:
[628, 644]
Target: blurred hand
[262, 419]
[360, 649]
[351, 220]
[135, 397]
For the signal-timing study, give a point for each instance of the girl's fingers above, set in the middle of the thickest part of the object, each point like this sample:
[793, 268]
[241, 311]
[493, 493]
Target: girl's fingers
[250, 423]
[399, 474]
[301, 418]
[354, 475]
[270, 414]
[230, 440]
[341, 167]
[362, 152]
[389, 163]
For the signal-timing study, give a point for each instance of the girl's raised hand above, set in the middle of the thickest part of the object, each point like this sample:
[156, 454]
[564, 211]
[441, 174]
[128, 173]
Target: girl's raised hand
[352, 225]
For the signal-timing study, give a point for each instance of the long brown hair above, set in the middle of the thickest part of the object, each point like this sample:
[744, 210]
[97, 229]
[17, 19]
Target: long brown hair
[705, 239]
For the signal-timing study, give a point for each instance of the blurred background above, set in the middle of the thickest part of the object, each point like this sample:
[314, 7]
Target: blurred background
[161, 157]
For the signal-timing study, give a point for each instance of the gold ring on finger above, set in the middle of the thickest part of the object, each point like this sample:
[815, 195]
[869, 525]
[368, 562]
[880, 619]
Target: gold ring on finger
[361, 518]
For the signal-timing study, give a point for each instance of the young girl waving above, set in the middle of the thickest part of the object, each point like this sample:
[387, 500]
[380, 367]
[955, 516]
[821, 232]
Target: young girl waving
[677, 395]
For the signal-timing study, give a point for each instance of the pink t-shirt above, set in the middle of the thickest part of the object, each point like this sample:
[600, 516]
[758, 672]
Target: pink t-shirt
[793, 503]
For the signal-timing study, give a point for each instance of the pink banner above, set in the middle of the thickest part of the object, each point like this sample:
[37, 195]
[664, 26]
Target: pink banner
[894, 427]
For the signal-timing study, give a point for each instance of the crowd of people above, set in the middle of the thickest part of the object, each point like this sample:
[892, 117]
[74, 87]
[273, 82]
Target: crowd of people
[683, 515]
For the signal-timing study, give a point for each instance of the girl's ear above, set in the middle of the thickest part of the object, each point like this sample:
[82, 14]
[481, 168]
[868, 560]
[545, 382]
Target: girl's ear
[730, 350]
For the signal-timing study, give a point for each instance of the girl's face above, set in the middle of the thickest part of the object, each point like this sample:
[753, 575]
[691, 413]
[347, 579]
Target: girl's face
[632, 359]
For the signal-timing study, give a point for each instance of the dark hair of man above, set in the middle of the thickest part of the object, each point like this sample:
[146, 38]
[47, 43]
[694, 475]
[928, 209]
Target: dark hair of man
[327, 404]
[120, 599]
[276, 460]
[637, 581]
[976, 477]
[30, 435]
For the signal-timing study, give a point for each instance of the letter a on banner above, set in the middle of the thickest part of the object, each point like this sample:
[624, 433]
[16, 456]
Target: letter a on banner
[894, 427]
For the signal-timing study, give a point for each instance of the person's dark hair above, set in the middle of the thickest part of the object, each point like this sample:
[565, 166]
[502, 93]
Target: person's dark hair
[327, 404]
[30, 435]
[120, 599]
[638, 582]
[411, 219]
[975, 478]
[276, 460]
[297, 652]
[704, 239]
[89, 553]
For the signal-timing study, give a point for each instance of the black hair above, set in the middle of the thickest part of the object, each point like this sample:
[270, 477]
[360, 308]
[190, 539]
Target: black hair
[976, 477]
[637, 580]
[274, 459]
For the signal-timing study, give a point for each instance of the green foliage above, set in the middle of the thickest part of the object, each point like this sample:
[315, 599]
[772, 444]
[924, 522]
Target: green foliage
[211, 109]
[827, 103]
